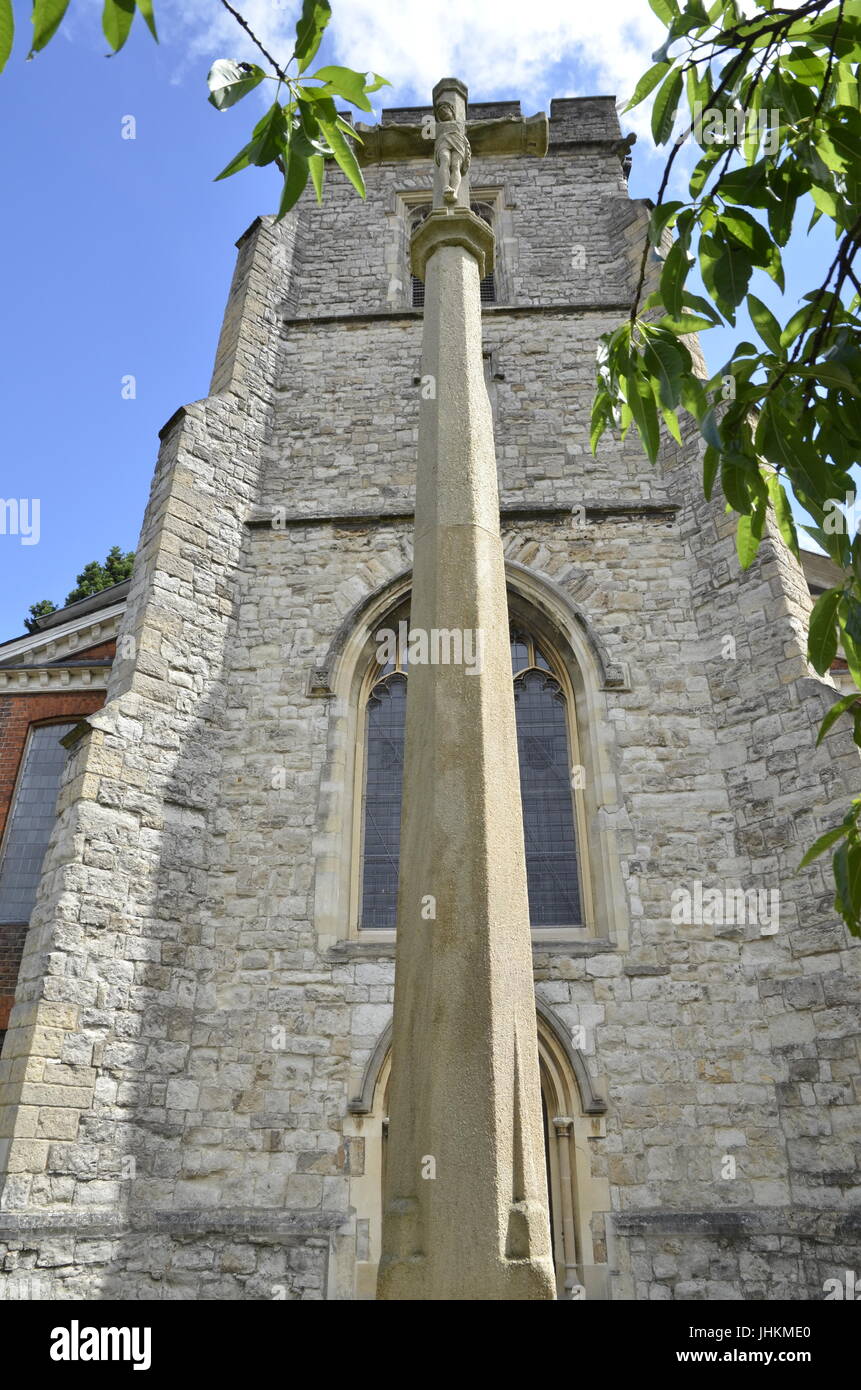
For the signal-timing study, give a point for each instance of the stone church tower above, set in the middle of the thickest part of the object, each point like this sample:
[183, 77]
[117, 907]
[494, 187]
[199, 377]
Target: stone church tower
[194, 1079]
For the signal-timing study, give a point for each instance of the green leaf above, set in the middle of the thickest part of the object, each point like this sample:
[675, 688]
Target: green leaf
[666, 10]
[309, 30]
[829, 543]
[666, 106]
[598, 424]
[703, 168]
[783, 512]
[829, 374]
[711, 459]
[847, 877]
[145, 7]
[765, 323]
[840, 143]
[318, 100]
[343, 152]
[850, 617]
[673, 277]
[317, 168]
[800, 321]
[294, 183]
[830, 718]
[806, 65]
[7, 31]
[47, 17]
[693, 396]
[270, 134]
[788, 186]
[735, 473]
[647, 83]
[853, 658]
[702, 306]
[710, 431]
[267, 142]
[743, 228]
[825, 841]
[779, 441]
[305, 144]
[671, 420]
[852, 918]
[685, 323]
[348, 129]
[826, 202]
[749, 185]
[230, 81]
[840, 865]
[343, 82]
[643, 408]
[698, 90]
[746, 541]
[117, 19]
[239, 161]
[822, 638]
[661, 216]
[663, 361]
[726, 270]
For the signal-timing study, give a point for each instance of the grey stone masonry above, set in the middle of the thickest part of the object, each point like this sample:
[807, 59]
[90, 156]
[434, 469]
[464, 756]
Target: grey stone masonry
[192, 1088]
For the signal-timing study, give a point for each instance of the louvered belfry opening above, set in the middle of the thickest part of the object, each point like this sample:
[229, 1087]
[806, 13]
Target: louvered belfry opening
[487, 286]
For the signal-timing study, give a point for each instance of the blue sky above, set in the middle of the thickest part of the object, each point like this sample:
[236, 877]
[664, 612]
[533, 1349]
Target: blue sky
[118, 253]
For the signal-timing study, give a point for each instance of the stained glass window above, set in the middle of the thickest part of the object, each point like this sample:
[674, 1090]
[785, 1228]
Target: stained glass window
[384, 775]
[31, 821]
[545, 771]
[548, 808]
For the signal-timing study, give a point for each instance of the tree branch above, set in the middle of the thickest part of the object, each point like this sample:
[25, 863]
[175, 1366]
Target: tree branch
[243, 23]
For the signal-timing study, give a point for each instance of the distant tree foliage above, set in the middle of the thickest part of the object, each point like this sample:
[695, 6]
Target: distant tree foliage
[93, 578]
[39, 610]
[96, 576]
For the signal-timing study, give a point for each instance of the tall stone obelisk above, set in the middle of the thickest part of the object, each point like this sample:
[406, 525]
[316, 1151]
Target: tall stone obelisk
[465, 1202]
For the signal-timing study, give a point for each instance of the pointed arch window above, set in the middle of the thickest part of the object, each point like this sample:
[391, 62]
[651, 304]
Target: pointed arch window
[546, 746]
[546, 792]
[385, 724]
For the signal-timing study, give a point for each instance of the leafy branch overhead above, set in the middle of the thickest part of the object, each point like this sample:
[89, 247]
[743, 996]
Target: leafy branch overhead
[771, 104]
[299, 134]
[48, 15]
[303, 132]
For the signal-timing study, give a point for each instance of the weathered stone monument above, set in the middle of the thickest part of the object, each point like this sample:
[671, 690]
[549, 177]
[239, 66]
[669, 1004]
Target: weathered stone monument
[465, 1208]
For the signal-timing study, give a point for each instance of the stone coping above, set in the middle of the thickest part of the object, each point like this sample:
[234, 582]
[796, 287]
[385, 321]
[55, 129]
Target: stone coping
[248, 1221]
[586, 306]
[598, 508]
[740, 1221]
[26, 679]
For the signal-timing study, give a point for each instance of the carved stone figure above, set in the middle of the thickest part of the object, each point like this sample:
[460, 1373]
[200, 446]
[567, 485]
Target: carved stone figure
[452, 153]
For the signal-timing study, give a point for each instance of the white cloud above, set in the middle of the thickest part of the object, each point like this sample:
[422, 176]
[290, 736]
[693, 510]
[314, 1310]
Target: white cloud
[498, 47]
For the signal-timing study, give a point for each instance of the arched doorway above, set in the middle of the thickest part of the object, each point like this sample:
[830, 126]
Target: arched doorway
[573, 1119]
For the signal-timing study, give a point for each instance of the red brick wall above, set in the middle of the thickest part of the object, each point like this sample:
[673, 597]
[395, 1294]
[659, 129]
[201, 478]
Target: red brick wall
[11, 950]
[97, 653]
[17, 713]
